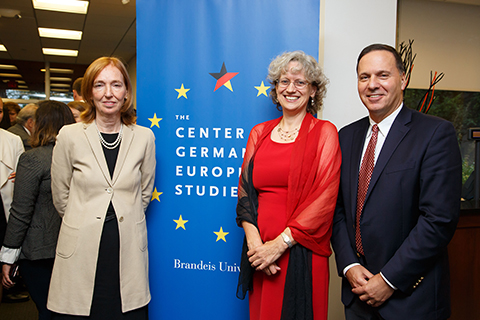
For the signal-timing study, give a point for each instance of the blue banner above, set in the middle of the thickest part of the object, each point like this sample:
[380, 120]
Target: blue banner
[201, 87]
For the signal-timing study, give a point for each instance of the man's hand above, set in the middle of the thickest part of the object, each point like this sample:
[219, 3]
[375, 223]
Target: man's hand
[375, 292]
[358, 276]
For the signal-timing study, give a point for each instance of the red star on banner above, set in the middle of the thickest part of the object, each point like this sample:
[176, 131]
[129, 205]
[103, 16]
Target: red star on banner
[223, 78]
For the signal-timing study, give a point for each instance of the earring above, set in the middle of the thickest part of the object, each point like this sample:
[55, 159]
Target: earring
[312, 101]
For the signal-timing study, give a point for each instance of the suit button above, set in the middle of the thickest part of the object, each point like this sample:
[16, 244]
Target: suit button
[109, 190]
[121, 219]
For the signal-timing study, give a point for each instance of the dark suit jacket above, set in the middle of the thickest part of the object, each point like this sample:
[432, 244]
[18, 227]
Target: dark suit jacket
[34, 223]
[410, 212]
[19, 130]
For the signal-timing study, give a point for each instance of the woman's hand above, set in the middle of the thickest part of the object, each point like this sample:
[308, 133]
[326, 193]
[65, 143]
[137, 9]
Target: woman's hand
[271, 269]
[264, 256]
[12, 176]
[6, 281]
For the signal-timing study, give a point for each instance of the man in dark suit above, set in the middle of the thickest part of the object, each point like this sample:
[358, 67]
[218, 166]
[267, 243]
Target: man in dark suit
[392, 225]
[25, 123]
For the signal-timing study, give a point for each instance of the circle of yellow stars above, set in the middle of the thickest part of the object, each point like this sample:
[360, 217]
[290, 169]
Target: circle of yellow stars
[155, 121]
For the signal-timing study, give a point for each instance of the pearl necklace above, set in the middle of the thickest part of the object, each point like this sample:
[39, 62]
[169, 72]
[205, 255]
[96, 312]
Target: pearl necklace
[110, 145]
[287, 135]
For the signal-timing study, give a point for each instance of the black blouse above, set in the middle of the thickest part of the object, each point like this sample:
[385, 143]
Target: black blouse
[111, 156]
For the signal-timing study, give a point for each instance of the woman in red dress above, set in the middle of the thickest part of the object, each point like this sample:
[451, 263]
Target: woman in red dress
[286, 198]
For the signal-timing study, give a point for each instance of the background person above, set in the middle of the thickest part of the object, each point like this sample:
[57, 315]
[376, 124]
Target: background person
[77, 89]
[287, 194]
[391, 248]
[77, 107]
[13, 109]
[103, 171]
[11, 148]
[25, 123]
[5, 120]
[33, 226]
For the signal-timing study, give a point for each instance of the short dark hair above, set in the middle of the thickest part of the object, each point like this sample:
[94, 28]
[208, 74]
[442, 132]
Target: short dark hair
[12, 106]
[383, 47]
[50, 117]
[77, 85]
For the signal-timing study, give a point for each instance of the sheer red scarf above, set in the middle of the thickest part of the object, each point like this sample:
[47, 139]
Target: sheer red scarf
[312, 186]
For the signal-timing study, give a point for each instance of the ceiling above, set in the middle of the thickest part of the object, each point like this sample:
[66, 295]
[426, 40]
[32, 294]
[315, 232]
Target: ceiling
[109, 29]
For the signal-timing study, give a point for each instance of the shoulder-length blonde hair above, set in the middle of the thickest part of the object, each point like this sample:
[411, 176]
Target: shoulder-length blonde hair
[312, 71]
[127, 113]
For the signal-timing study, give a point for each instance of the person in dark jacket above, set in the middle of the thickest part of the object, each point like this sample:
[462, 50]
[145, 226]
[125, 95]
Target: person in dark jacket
[33, 226]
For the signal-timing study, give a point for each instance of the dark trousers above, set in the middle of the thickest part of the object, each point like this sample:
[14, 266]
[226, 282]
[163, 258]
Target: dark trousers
[359, 310]
[36, 274]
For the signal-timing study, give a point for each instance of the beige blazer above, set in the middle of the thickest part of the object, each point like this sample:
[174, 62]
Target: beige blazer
[11, 147]
[82, 190]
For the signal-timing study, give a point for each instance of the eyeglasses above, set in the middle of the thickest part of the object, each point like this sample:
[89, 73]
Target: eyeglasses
[299, 84]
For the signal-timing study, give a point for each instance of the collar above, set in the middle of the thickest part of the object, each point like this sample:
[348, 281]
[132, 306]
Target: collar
[28, 131]
[385, 125]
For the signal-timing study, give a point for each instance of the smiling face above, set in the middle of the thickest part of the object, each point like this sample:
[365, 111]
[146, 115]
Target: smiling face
[290, 97]
[109, 92]
[380, 84]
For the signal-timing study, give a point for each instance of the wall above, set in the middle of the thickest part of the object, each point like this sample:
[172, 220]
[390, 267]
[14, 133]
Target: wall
[349, 27]
[447, 39]
[132, 73]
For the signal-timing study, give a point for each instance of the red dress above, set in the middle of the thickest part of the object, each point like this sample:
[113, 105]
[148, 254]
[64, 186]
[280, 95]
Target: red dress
[270, 178]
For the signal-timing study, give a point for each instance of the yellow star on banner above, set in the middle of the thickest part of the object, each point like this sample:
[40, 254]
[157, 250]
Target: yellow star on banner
[155, 120]
[156, 195]
[182, 92]
[262, 89]
[180, 223]
[221, 235]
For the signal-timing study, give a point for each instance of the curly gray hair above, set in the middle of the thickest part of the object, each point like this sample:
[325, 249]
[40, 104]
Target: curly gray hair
[311, 69]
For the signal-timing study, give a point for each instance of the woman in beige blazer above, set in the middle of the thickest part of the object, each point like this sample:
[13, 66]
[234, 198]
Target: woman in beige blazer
[103, 171]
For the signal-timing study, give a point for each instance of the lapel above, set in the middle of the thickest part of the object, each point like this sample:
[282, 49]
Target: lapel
[358, 141]
[396, 134]
[97, 150]
[128, 135]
